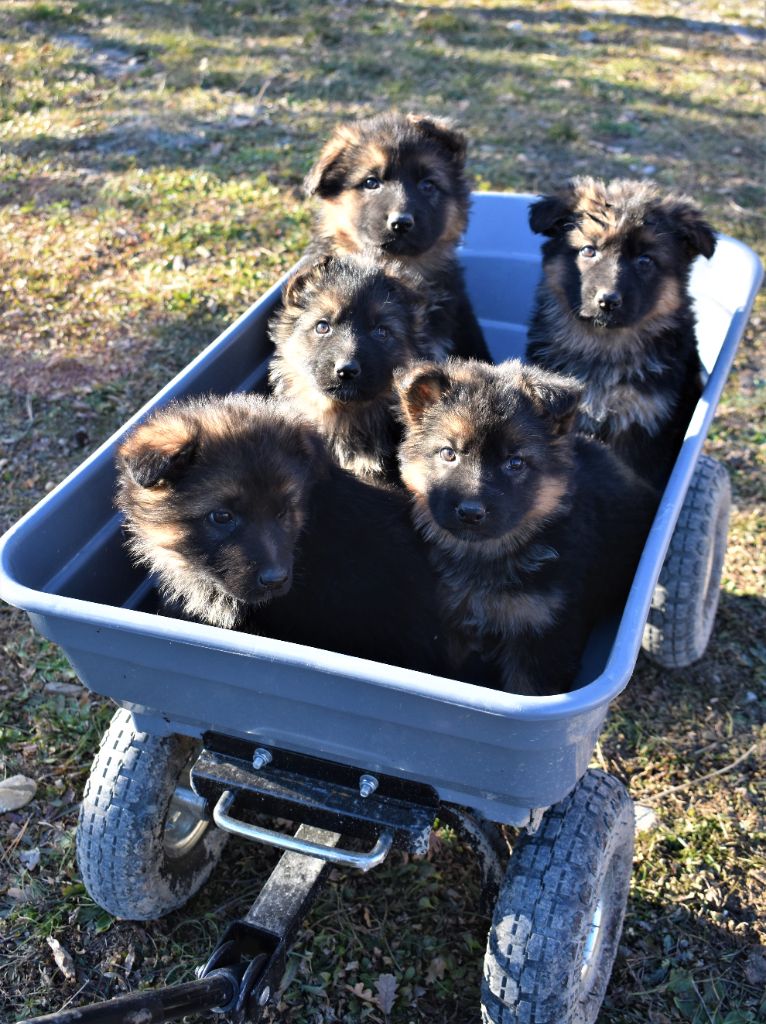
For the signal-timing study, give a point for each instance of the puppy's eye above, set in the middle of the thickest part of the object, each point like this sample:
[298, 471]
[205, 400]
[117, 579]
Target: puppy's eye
[644, 261]
[589, 251]
[371, 182]
[427, 187]
[323, 327]
[283, 512]
[220, 517]
[514, 464]
[447, 454]
[381, 331]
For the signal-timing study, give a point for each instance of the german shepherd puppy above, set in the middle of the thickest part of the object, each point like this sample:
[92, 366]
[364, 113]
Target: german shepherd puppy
[534, 531]
[395, 184]
[613, 310]
[237, 509]
[345, 324]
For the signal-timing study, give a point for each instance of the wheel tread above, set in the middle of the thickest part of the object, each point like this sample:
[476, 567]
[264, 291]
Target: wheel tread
[524, 971]
[683, 608]
[119, 835]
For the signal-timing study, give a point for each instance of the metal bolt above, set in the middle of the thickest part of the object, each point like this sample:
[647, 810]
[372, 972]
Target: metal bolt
[261, 758]
[367, 785]
[263, 998]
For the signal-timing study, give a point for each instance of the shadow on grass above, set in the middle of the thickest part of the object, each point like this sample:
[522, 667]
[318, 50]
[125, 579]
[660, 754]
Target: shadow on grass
[286, 16]
[56, 412]
[267, 138]
[725, 663]
[73, 189]
[670, 954]
[461, 18]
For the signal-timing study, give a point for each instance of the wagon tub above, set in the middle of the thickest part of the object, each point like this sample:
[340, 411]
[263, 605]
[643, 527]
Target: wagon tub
[358, 747]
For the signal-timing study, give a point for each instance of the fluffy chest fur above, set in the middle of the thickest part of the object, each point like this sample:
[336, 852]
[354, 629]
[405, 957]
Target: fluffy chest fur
[491, 600]
[361, 436]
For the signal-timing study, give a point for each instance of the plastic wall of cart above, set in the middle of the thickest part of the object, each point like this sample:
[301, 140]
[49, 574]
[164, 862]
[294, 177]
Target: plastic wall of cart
[498, 753]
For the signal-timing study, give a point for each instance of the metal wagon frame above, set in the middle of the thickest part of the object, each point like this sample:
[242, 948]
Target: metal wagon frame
[348, 745]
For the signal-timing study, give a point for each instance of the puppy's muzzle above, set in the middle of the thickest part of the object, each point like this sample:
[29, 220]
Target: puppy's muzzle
[273, 578]
[609, 301]
[401, 223]
[471, 513]
[347, 369]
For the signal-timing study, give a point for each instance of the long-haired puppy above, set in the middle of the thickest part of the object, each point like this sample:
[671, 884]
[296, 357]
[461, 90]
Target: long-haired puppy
[235, 507]
[344, 326]
[395, 184]
[534, 531]
[613, 310]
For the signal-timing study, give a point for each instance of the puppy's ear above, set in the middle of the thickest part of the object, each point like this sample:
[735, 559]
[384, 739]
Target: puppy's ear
[551, 214]
[327, 176]
[295, 288]
[158, 451]
[556, 396]
[444, 133]
[419, 386]
[697, 235]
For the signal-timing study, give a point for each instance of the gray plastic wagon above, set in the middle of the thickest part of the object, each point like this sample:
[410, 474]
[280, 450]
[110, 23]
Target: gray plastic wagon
[505, 758]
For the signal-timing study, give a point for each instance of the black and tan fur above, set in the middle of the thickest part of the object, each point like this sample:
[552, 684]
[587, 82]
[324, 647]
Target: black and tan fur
[235, 507]
[344, 326]
[613, 310]
[534, 532]
[395, 185]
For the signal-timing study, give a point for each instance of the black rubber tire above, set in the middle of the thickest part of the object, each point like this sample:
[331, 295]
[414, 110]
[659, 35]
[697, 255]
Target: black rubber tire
[581, 856]
[120, 848]
[685, 599]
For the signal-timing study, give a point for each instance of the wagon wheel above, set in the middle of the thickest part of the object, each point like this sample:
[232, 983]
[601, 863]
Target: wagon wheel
[144, 845]
[685, 599]
[558, 919]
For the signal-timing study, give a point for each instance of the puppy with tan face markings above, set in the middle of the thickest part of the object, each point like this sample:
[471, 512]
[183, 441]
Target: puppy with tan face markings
[395, 185]
[344, 326]
[613, 310]
[534, 532]
[237, 510]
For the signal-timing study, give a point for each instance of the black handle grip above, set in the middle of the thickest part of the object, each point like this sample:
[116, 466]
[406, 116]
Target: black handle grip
[217, 991]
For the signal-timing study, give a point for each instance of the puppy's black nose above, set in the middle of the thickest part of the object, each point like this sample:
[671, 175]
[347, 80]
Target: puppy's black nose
[609, 301]
[270, 579]
[471, 512]
[401, 223]
[347, 369]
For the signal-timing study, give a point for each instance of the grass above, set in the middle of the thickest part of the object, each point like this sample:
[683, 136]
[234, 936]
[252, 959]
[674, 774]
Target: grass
[151, 158]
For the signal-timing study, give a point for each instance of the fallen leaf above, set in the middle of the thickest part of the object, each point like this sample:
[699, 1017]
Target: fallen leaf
[30, 858]
[755, 966]
[63, 958]
[386, 986]
[645, 818]
[70, 689]
[436, 970]
[16, 792]
[361, 992]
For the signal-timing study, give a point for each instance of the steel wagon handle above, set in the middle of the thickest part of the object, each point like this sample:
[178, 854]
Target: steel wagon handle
[348, 858]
